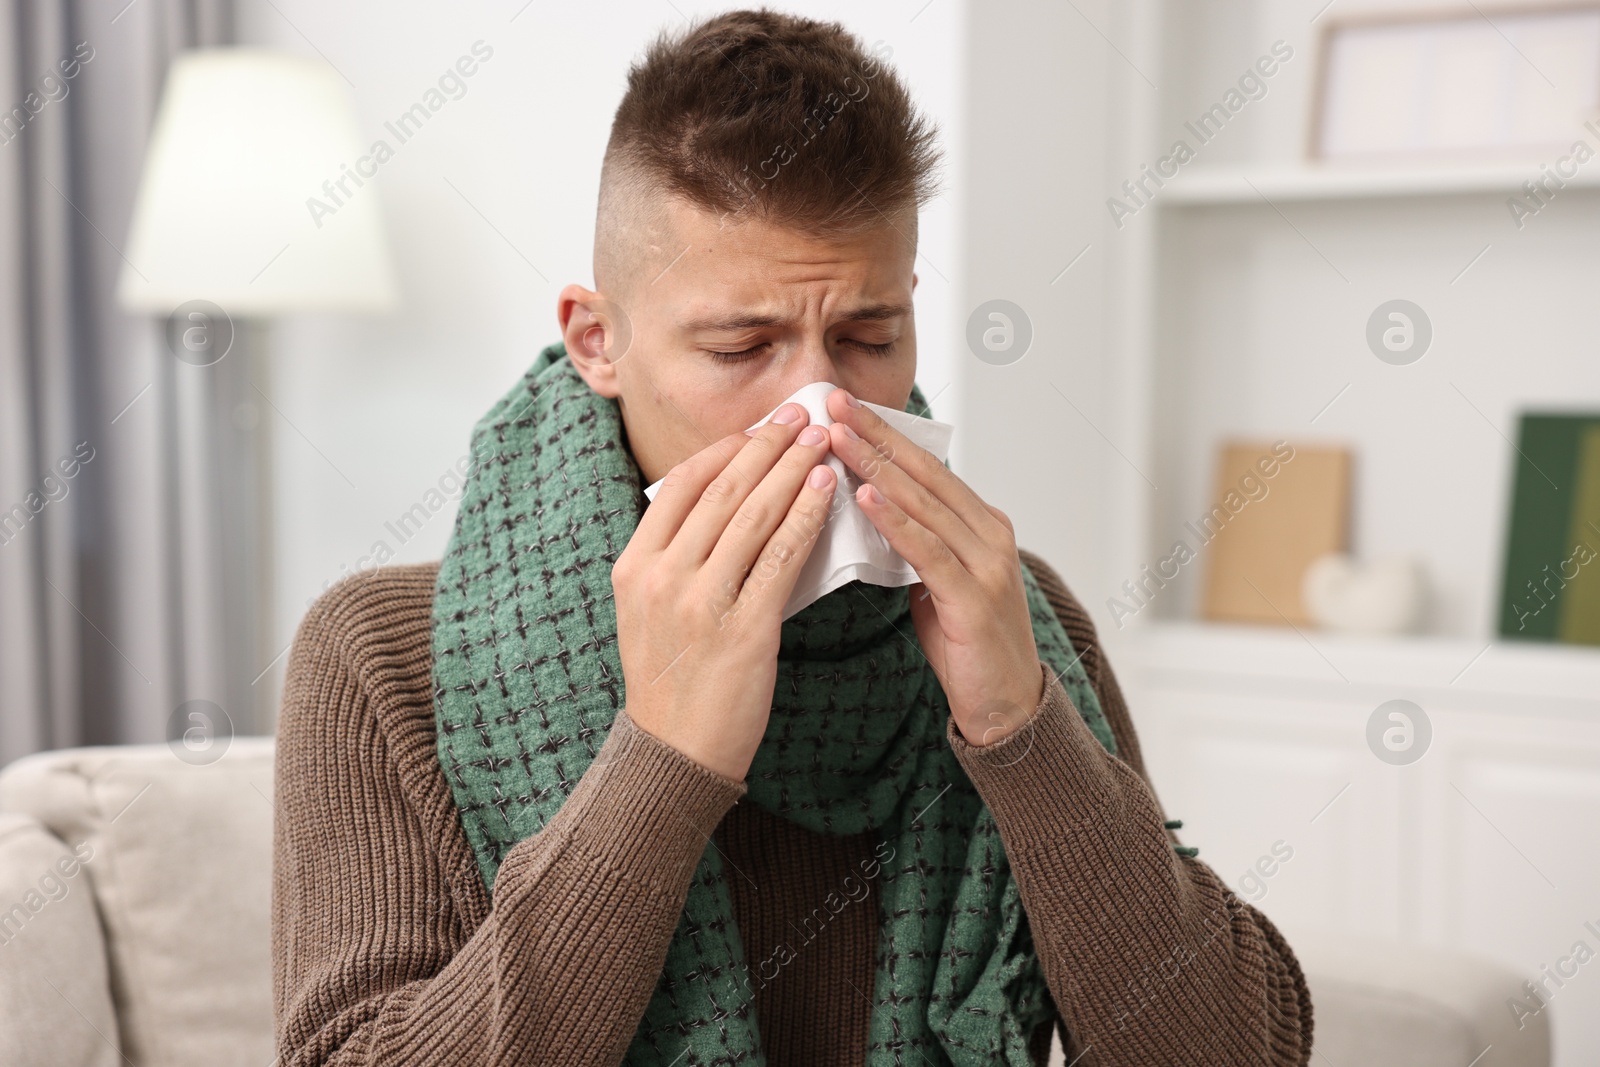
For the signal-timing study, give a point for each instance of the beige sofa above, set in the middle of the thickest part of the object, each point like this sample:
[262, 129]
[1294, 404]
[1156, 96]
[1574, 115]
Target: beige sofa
[134, 929]
[155, 951]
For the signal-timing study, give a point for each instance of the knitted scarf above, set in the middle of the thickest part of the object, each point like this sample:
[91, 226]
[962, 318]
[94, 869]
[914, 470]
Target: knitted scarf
[528, 682]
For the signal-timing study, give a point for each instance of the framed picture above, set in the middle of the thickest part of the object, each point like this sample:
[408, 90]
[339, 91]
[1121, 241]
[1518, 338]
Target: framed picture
[1473, 82]
[1276, 509]
[1551, 586]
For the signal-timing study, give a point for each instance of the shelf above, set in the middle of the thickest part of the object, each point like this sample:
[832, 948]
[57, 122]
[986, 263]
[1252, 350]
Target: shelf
[1231, 185]
[1566, 673]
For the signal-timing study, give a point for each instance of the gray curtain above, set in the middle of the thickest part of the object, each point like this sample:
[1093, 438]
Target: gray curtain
[115, 606]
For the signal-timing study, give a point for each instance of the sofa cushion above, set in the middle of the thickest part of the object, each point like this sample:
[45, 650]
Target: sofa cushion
[182, 872]
[1390, 1004]
[52, 955]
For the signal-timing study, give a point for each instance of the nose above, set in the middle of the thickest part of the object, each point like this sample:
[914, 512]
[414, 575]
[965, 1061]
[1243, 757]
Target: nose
[812, 363]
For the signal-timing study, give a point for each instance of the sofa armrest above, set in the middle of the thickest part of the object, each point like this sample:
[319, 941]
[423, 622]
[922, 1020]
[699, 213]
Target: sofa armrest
[182, 882]
[1382, 1003]
[53, 978]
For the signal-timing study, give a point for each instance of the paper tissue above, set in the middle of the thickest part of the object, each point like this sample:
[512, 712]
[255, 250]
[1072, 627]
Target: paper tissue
[850, 548]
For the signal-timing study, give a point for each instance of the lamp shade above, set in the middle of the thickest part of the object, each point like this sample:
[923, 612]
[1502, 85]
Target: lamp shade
[253, 193]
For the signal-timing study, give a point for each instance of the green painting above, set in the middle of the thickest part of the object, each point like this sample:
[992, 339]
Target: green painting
[1551, 589]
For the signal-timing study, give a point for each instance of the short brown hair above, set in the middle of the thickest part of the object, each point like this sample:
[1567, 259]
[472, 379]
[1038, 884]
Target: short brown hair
[787, 118]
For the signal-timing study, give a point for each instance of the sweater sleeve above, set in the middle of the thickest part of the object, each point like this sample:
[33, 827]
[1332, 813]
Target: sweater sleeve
[1148, 954]
[378, 958]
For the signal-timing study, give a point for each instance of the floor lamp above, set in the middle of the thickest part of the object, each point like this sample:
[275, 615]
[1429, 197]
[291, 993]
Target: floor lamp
[253, 205]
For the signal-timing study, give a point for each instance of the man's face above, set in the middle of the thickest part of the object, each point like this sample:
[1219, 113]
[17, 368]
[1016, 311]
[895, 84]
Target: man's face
[747, 314]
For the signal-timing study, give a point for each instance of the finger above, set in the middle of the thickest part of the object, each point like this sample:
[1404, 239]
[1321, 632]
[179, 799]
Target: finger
[771, 579]
[748, 531]
[930, 556]
[722, 497]
[922, 465]
[925, 620]
[680, 491]
[910, 495]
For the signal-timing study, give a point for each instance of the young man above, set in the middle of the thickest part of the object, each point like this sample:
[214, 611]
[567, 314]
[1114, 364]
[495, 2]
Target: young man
[509, 822]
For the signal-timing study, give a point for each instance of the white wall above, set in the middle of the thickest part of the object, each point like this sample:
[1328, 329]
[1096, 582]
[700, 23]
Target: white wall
[1043, 434]
[377, 410]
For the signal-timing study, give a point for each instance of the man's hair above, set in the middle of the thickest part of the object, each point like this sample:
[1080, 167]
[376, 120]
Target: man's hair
[764, 115]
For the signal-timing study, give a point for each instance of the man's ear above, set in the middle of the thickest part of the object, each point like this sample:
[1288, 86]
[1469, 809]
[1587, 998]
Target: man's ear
[597, 334]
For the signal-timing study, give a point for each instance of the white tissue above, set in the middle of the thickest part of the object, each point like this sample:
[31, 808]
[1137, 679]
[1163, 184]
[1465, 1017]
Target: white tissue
[850, 548]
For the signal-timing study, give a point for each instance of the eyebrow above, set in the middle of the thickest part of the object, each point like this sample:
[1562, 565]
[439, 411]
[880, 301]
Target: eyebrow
[751, 321]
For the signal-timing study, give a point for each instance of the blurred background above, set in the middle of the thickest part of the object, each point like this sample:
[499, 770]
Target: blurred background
[1269, 323]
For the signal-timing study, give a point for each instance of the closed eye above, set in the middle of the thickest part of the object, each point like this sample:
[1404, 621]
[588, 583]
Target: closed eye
[737, 357]
[746, 354]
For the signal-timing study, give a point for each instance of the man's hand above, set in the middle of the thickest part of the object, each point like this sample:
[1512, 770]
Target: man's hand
[701, 586]
[971, 612]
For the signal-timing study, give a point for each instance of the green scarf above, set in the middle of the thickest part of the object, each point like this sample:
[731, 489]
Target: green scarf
[528, 683]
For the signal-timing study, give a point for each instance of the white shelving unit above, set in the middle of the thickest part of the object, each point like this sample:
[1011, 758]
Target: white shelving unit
[1240, 294]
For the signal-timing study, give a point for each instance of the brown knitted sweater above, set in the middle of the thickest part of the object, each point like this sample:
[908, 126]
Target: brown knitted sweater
[388, 950]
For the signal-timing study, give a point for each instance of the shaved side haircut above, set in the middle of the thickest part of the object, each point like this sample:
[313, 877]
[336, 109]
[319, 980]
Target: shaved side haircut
[758, 114]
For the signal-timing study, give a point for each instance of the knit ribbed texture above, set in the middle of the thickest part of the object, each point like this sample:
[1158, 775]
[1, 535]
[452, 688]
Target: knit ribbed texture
[386, 949]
